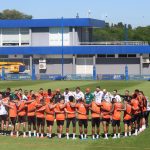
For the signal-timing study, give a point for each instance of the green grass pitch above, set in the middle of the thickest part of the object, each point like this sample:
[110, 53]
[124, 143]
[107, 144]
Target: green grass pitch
[142, 141]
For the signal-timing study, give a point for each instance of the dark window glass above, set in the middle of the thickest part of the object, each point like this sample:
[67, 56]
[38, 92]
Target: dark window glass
[101, 55]
[122, 55]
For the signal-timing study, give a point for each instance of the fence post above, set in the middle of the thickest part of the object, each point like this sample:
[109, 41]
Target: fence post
[126, 73]
[33, 72]
[94, 73]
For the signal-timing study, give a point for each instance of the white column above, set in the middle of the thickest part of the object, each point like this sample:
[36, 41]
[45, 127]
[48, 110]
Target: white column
[94, 60]
[141, 64]
[73, 36]
[30, 65]
[19, 37]
[30, 34]
[74, 65]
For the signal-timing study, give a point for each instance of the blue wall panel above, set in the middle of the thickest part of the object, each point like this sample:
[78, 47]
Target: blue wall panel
[75, 50]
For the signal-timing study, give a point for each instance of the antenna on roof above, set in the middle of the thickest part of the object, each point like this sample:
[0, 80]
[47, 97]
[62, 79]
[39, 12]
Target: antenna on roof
[77, 16]
[89, 13]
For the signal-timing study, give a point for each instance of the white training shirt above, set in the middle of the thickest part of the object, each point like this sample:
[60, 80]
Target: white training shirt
[98, 96]
[117, 97]
[66, 96]
[3, 110]
[107, 97]
[78, 96]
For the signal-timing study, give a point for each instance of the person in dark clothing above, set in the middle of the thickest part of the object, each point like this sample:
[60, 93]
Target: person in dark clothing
[126, 96]
[57, 96]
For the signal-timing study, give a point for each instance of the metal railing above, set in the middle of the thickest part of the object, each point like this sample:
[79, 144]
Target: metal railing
[115, 43]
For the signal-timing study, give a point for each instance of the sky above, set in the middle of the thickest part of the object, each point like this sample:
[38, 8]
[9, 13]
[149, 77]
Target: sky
[134, 12]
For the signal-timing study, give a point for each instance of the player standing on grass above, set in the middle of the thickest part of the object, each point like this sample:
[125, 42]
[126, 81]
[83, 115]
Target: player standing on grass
[82, 118]
[116, 116]
[116, 96]
[60, 117]
[71, 116]
[48, 96]
[106, 107]
[31, 108]
[135, 112]
[49, 110]
[95, 113]
[78, 94]
[98, 94]
[22, 113]
[4, 114]
[13, 114]
[66, 95]
[40, 116]
[88, 98]
[127, 117]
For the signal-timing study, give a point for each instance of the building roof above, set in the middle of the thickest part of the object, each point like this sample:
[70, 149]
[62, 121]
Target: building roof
[57, 50]
[70, 22]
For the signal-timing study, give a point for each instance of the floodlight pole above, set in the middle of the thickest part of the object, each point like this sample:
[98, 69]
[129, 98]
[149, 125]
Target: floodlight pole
[62, 54]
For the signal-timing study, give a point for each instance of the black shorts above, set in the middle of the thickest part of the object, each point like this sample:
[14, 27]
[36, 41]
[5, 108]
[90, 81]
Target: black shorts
[107, 120]
[60, 122]
[116, 123]
[31, 120]
[128, 122]
[144, 114]
[13, 120]
[83, 122]
[96, 122]
[22, 119]
[40, 121]
[68, 120]
[135, 117]
[4, 118]
[49, 123]
[147, 114]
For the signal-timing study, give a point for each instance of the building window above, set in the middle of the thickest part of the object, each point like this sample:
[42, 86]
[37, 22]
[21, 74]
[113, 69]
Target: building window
[131, 55]
[3, 56]
[101, 55]
[25, 36]
[15, 37]
[84, 56]
[122, 55]
[27, 56]
[10, 37]
[111, 56]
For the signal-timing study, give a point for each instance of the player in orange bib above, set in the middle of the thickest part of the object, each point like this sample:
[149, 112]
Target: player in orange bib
[60, 116]
[95, 113]
[22, 113]
[105, 112]
[127, 117]
[116, 116]
[31, 107]
[135, 112]
[40, 116]
[48, 96]
[71, 116]
[50, 117]
[13, 114]
[82, 117]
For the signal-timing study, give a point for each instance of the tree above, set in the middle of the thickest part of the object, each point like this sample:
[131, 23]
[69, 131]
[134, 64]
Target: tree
[13, 14]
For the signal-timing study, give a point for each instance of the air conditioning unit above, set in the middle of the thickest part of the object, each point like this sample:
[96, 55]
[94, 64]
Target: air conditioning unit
[146, 61]
[42, 64]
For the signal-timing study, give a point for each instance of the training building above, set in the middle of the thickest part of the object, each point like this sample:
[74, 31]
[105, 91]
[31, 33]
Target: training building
[65, 46]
